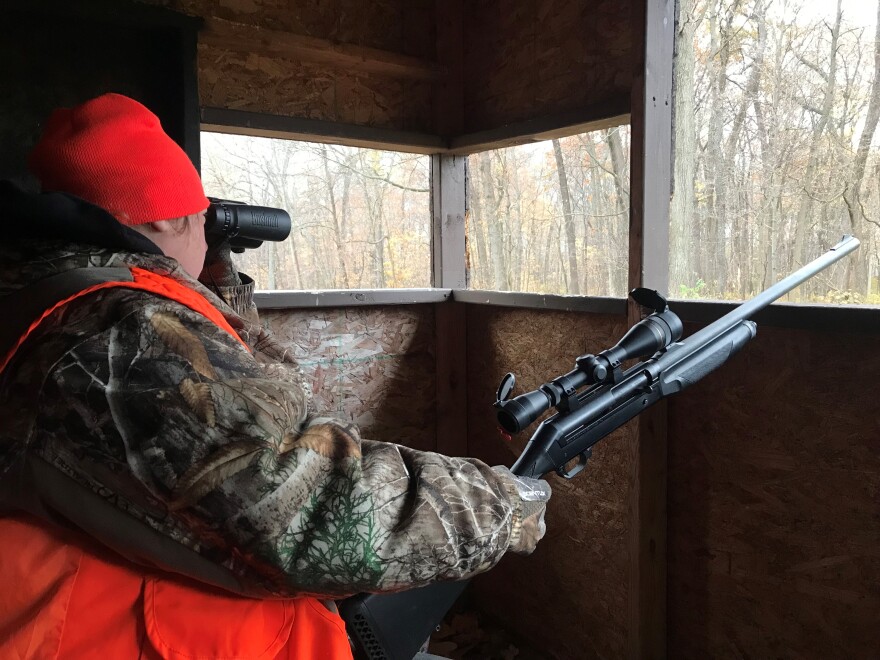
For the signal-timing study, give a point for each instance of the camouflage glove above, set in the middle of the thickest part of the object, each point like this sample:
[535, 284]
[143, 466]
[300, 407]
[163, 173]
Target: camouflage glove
[219, 271]
[534, 495]
[221, 276]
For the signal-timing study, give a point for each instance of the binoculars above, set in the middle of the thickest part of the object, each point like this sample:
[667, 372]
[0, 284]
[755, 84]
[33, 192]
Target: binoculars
[243, 225]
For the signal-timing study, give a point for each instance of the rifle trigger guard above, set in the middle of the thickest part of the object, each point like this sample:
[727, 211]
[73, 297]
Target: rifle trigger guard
[579, 466]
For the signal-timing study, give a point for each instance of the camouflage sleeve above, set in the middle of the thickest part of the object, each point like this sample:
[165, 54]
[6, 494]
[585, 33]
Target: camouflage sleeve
[176, 423]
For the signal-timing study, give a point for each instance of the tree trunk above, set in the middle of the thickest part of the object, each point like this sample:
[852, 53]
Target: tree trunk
[684, 139]
[493, 225]
[805, 206]
[337, 229]
[513, 222]
[740, 261]
[858, 270]
[289, 204]
[619, 230]
[545, 264]
[478, 268]
[379, 254]
[568, 221]
[715, 266]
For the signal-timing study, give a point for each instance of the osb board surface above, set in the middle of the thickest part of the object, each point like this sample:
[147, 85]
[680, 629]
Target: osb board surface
[570, 596]
[374, 366]
[543, 57]
[400, 26]
[774, 502]
[266, 83]
[258, 83]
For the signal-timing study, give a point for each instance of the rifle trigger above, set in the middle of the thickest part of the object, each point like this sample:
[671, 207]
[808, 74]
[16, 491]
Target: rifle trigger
[577, 468]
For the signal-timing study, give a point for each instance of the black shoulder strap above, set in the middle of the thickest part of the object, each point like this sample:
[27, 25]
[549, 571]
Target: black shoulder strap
[25, 305]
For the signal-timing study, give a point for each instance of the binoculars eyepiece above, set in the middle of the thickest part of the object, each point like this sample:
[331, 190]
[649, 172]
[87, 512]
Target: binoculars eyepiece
[244, 225]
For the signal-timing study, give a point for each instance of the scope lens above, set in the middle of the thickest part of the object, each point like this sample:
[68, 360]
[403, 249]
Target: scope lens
[521, 411]
[508, 421]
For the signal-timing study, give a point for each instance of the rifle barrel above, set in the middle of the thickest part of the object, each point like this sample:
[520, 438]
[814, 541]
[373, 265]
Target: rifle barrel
[751, 307]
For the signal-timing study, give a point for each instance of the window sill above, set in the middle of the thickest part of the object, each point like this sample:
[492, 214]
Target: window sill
[829, 318]
[348, 298]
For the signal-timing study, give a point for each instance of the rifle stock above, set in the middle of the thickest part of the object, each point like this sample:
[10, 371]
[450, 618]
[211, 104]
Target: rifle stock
[394, 626]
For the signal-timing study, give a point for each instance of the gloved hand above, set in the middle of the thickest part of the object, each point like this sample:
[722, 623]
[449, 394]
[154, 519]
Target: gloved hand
[534, 495]
[221, 276]
[219, 271]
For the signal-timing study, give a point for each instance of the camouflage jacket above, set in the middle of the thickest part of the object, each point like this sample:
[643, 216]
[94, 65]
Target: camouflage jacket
[138, 420]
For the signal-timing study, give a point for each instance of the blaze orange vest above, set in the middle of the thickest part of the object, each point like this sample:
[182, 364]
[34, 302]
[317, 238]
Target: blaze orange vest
[61, 597]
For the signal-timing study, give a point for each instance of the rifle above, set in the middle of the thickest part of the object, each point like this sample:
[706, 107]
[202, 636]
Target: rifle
[591, 401]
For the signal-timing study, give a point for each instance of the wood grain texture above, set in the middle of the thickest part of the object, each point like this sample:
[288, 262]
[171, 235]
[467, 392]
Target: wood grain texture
[400, 26]
[257, 83]
[374, 366]
[449, 270]
[651, 178]
[774, 502]
[242, 37]
[398, 63]
[570, 597]
[448, 91]
[543, 57]
[371, 64]
[451, 369]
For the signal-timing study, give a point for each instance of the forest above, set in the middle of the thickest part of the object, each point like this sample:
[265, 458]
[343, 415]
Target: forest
[360, 217]
[776, 109]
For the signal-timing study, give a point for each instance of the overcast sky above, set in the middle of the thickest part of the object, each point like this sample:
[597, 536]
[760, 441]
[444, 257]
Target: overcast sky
[861, 12]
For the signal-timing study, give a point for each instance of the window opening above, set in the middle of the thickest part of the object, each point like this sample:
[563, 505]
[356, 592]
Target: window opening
[360, 217]
[777, 154]
[551, 216]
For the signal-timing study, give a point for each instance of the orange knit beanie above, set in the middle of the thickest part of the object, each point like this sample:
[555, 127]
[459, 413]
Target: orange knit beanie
[111, 151]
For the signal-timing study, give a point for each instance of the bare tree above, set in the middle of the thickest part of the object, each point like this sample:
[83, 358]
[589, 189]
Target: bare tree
[681, 211]
[568, 220]
[858, 274]
[822, 118]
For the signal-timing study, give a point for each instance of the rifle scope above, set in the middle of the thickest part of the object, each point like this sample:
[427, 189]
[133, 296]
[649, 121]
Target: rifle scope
[244, 225]
[653, 333]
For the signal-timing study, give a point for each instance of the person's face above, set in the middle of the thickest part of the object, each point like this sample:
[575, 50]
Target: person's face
[191, 245]
[183, 239]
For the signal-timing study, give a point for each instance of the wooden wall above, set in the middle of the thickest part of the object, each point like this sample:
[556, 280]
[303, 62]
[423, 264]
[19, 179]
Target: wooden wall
[383, 63]
[773, 499]
[571, 596]
[534, 58]
[368, 63]
[376, 366]
[47, 64]
[372, 365]
[774, 502]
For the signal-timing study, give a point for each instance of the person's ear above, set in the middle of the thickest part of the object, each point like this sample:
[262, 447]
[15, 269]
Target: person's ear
[161, 226]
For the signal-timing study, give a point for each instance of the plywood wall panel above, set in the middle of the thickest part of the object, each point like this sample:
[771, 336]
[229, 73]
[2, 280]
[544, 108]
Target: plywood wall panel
[523, 60]
[255, 83]
[570, 597]
[374, 366]
[774, 502]
[536, 58]
[266, 82]
[391, 25]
